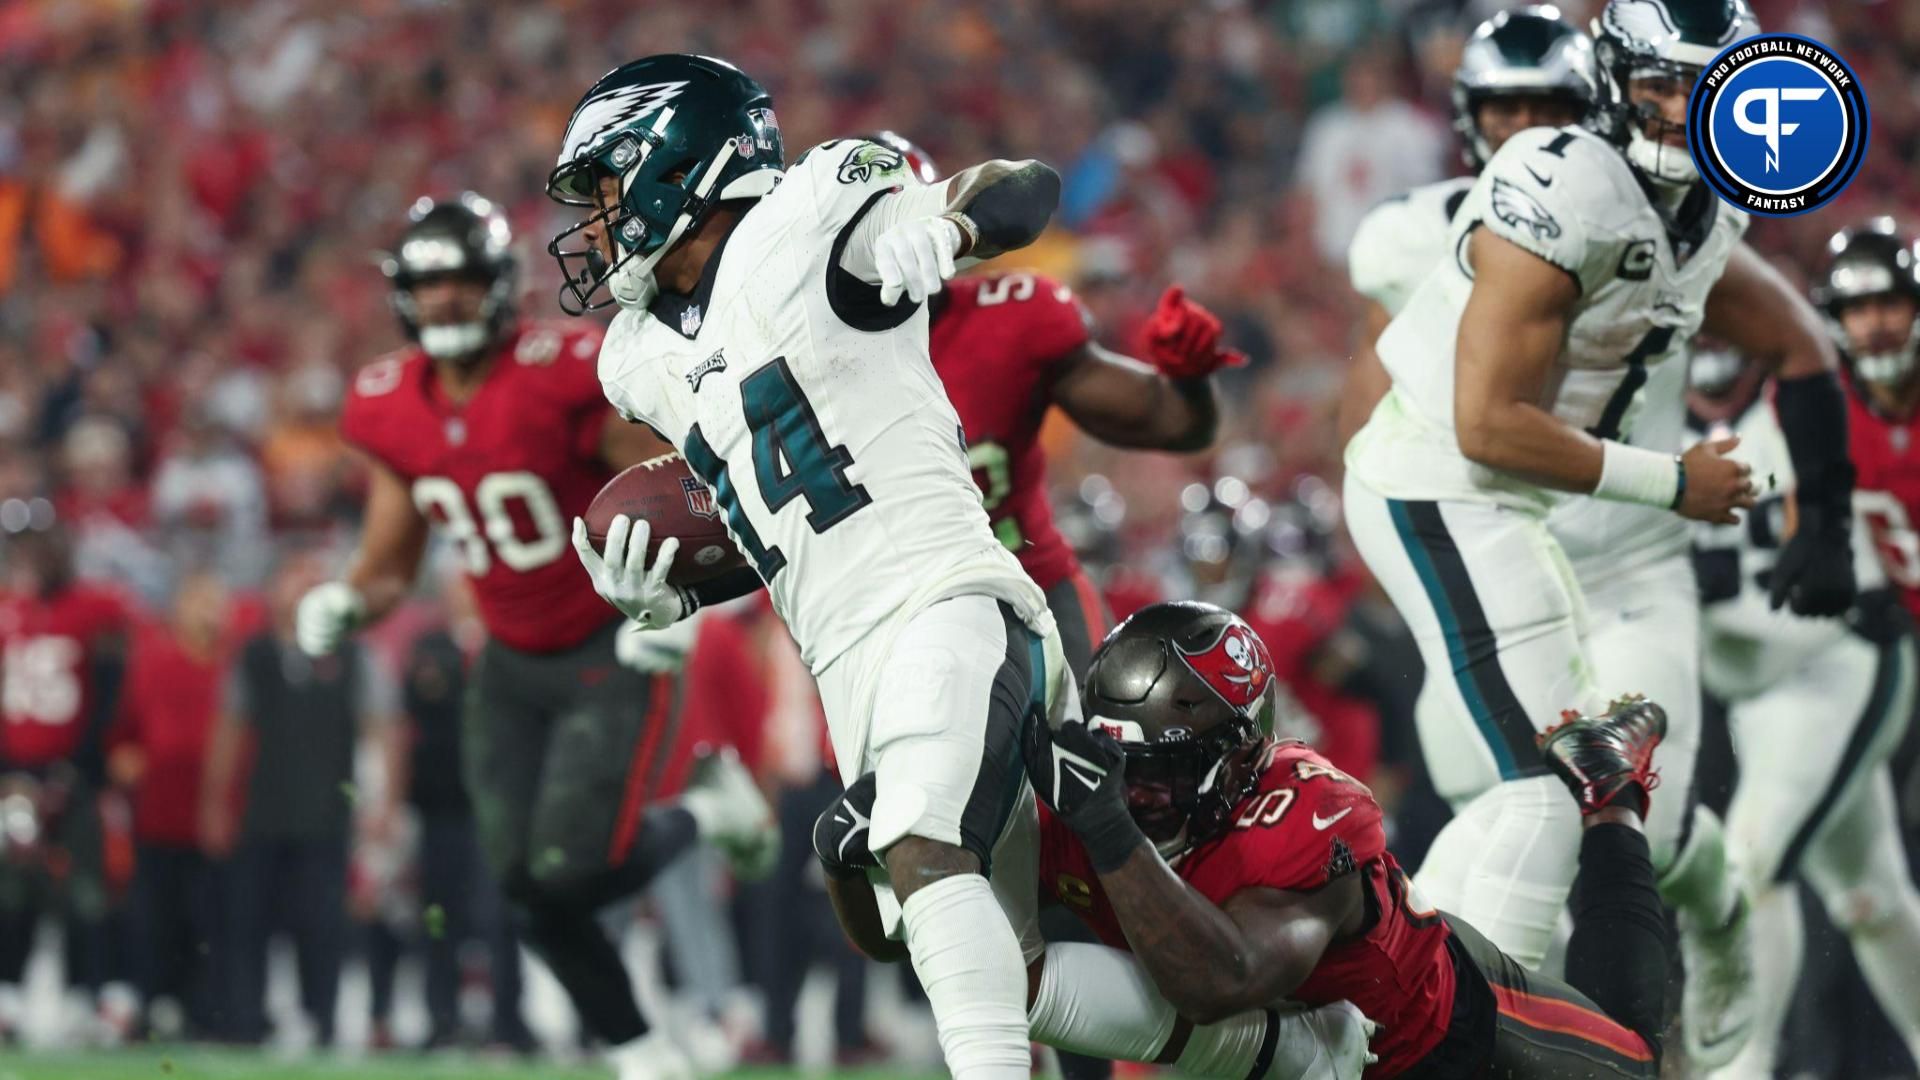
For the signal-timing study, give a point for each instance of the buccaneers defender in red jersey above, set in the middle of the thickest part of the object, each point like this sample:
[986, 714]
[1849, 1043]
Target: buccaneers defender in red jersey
[1244, 871]
[57, 638]
[495, 431]
[1008, 346]
[1871, 289]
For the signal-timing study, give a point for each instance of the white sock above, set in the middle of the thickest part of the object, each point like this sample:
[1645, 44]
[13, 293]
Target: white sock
[969, 963]
[1699, 886]
[1776, 971]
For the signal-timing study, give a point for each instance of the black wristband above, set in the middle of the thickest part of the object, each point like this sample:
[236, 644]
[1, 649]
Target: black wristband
[1108, 833]
[1813, 416]
[1680, 485]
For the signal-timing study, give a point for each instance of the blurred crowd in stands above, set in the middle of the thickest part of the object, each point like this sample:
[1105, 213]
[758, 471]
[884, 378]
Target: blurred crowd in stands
[193, 196]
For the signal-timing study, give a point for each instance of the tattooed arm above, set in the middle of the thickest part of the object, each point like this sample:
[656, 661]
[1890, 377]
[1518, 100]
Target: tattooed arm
[1212, 962]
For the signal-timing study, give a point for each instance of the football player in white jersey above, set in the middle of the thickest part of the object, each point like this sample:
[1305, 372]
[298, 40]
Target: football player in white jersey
[1520, 69]
[1815, 707]
[1579, 264]
[773, 327]
[1630, 562]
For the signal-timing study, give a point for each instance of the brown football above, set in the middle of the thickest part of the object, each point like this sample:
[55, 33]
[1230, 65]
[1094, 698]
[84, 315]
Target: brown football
[663, 492]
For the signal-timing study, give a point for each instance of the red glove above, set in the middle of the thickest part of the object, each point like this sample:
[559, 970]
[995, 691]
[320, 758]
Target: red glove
[1183, 338]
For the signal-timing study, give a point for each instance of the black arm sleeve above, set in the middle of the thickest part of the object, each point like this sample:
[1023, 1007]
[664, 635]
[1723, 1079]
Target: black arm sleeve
[1813, 416]
[731, 585]
[1011, 211]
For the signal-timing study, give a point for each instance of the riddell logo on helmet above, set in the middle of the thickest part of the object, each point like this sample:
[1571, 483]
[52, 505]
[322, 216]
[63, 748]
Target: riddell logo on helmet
[1236, 666]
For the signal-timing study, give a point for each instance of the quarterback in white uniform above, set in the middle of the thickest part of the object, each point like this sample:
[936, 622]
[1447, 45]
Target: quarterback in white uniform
[1578, 266]
[1629, 562]
[773, 327]
[1815, 707]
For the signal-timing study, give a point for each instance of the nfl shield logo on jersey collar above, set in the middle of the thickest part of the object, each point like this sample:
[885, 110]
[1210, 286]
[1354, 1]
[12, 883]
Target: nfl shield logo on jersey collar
[690, 320]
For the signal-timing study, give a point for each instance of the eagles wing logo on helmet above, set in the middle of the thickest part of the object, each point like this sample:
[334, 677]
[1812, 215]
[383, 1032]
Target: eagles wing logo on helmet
[1236, 666]
[866, 159]
[1517, 207]
[608, 111]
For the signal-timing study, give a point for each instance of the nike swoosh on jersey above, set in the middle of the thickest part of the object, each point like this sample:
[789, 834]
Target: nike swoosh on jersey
[1324, 823]
[1543, 181]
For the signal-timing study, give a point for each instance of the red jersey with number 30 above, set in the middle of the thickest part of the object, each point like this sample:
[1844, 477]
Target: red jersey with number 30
[1886, 458]
[996, 340]
[48, 650]
[1305, 824]
[503, 474]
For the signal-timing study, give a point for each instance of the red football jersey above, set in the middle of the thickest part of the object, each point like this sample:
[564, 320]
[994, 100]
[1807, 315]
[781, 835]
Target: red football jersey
[504, 474]
[1305, 824]
[1886, 457]
[48, 648]
[995, 340]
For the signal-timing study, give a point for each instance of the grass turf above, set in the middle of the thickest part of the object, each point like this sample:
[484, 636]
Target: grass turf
[198, 1063]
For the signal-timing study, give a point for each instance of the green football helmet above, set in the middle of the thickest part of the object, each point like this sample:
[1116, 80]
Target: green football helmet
[681, 134]
[1637, 39]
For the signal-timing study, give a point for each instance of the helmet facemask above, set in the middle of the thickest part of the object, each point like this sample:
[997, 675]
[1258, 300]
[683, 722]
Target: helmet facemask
[641, 226]
[1664, 40]
[1874, 263]
[466, 240]
[1530, 52]
[1188, 691]
[652, 147]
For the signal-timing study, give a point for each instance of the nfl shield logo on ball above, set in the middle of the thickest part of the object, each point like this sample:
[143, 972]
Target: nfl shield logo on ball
[699, 498]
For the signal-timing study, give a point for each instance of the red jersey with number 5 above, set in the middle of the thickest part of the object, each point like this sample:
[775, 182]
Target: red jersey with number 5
[503, 474]
[996, 341]
[49, 647]
[1886, 458]
[1305, 824]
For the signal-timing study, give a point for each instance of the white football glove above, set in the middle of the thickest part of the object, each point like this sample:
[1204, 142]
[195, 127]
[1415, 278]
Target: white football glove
[656, 652]
[326, 616]
[1343, 1032]
[622, 577]
[916, 258]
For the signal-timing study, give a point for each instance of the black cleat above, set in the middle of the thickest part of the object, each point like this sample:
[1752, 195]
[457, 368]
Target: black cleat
[1609, 757]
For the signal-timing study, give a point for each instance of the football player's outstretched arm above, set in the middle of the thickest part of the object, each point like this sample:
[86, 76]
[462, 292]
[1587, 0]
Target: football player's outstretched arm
[1212, 962]
[1753, 309]
[1129, 403]
[392, 540]
[913, 240]
[1367, 379]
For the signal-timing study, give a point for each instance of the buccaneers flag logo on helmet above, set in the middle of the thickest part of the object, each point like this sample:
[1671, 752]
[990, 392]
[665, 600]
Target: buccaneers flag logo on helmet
[1236, 666]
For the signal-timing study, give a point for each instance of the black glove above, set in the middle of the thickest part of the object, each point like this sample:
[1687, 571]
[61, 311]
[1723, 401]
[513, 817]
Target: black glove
[840, 832]
[1815, 570]
[1081, 774]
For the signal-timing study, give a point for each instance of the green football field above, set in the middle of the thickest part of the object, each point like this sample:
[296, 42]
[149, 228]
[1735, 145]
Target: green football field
[194, 1063]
